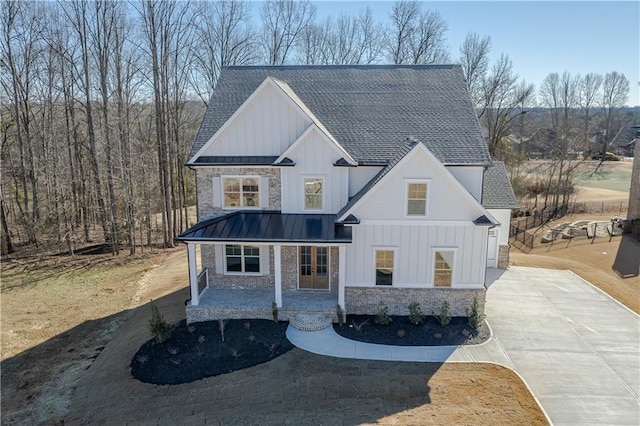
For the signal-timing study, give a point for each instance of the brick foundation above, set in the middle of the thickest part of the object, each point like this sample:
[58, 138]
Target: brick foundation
[503, 257]
[366, 300]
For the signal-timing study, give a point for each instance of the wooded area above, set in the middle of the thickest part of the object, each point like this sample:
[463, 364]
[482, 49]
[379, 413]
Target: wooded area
[101, 100]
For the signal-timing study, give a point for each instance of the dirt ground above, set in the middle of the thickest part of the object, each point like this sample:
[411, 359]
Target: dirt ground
[53, 372]
[593, 261]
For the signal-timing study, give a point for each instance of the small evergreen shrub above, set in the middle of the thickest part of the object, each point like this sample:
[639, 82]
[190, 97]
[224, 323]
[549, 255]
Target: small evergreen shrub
[382, 317]
[340, 315]
[158, 326]
[274, 311]
[415, 313]
[475, 317]
[444, 317]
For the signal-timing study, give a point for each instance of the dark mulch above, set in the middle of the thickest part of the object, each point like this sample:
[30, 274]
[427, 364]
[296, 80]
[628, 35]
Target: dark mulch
[195, 352]
[429, 333]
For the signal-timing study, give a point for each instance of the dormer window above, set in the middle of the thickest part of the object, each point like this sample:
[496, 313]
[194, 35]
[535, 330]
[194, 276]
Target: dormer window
[313, 193]
[241, 192]
[417, 197]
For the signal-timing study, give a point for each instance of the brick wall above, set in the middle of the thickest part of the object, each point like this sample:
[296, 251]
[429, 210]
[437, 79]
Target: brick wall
[634, 191]
[366, 300]
[204, 177]
[218, 279]
[503, 257]
[289, 257]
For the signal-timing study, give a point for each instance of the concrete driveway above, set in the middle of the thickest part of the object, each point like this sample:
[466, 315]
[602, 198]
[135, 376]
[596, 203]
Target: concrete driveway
[577, 348]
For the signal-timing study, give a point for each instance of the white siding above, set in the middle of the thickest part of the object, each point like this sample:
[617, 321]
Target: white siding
[387, 200]
[470, 177]
[267, 126]
[504, 217]
[359, 176]
[414, 253]
[314, 157]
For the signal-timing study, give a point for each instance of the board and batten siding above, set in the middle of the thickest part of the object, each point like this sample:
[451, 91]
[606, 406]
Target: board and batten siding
[414, 246]
[504, 217]
[268, 125]
[360, 176]
[388, 199]
[314, 157]
[470, 177]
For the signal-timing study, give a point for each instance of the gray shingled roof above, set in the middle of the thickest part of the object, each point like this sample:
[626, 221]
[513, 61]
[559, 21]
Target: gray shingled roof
[496, 188]
[370, 110]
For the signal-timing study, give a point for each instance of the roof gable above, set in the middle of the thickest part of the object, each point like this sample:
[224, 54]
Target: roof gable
[331, 142]
[369, 110]
[449, 200]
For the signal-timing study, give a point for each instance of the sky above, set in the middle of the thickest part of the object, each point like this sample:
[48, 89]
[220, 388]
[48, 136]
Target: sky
[540, 37]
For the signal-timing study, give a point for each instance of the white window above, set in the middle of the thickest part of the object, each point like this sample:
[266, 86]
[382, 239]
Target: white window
[384, 266]
[241, 192]
[313, 193]
[416, 198]
[443, 268]
[242, 259]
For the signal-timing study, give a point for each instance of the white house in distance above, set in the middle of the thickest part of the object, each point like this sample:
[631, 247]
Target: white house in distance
[355, 186]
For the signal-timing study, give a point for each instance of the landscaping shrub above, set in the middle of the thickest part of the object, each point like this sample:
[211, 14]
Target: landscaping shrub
[158, 326]
[444, 317]
[415, 313]
[340, 315]
[382, 317]
[274, 311]
[475, 317]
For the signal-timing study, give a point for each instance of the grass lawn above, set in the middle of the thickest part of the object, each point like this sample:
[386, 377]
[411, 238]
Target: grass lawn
[613, 175]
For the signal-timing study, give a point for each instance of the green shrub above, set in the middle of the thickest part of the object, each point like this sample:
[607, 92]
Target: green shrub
[274, 311]
[158, 326]
[475, 317]
[382, 317]
[340, 315]
[415, 313]
[444, 317]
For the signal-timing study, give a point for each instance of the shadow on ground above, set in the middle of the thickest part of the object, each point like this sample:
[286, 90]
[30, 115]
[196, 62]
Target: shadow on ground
[627, 262]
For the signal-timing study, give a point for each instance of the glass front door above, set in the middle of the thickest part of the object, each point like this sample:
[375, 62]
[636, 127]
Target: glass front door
[314, 267]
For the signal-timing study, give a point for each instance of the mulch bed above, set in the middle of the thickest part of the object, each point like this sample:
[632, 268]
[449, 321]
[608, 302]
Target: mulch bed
[429, 333]
[197, 351]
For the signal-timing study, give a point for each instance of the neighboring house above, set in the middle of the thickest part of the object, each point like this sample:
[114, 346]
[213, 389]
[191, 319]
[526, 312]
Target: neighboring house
[624, 141]
[355, 186]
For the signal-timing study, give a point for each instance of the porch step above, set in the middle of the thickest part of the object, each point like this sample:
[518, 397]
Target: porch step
[310, 322]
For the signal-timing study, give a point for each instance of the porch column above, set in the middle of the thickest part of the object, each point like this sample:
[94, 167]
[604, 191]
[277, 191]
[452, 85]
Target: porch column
[342, 274]
[193, 273]
[277, 273]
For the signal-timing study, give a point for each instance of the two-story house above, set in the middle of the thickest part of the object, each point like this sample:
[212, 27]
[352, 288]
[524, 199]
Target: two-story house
[355, 186]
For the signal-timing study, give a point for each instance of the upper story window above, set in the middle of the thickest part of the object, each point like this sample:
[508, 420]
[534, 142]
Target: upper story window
[417, 198]
[313, 193]
[241, 192]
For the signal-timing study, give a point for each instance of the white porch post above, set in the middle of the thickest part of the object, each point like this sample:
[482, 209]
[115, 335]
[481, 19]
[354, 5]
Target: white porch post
[277, 273]
[342, 273]
[193, 273]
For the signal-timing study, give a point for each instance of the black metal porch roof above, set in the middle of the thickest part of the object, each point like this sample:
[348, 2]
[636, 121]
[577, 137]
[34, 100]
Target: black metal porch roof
[269, 226]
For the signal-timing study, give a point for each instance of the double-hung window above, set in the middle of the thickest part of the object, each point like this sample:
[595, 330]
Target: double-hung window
[384, 266]
[313, 193]
[443, 268]
[416, 198]
[242, 259]
[241, 192]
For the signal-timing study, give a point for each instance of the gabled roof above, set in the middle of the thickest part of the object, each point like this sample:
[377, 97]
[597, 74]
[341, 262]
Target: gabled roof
[326, 136]
[496, 188]
[368, 110]
[269, 226]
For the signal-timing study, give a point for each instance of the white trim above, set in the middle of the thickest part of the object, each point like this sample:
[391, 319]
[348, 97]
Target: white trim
[266, 243]
[304, 193]
[240, 207]
[453, 267]
[407, 182]
[193, 273]
[394, 249]
[437, 164]
[342, 275]
[242, 256]
[403, 222]
[277, 273]
[332, 143]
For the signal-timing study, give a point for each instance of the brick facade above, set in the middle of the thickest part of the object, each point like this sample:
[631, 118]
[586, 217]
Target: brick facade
[503, 257]
[634, 190]
[204, 180]
[366, 300]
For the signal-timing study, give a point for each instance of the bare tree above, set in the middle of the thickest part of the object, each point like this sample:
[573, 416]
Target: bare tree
[416, 37]
[283, 21]
[588, 94]
[474, 59]
[225, 36]
[615, 93]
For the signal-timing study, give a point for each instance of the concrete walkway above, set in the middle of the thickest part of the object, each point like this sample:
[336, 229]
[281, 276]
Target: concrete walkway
[577, 349]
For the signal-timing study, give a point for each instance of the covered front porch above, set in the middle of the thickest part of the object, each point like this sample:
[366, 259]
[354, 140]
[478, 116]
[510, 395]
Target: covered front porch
[253, 263]
[226, 303]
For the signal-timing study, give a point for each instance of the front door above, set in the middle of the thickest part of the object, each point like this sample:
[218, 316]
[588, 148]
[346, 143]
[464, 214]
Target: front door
[314, 267]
